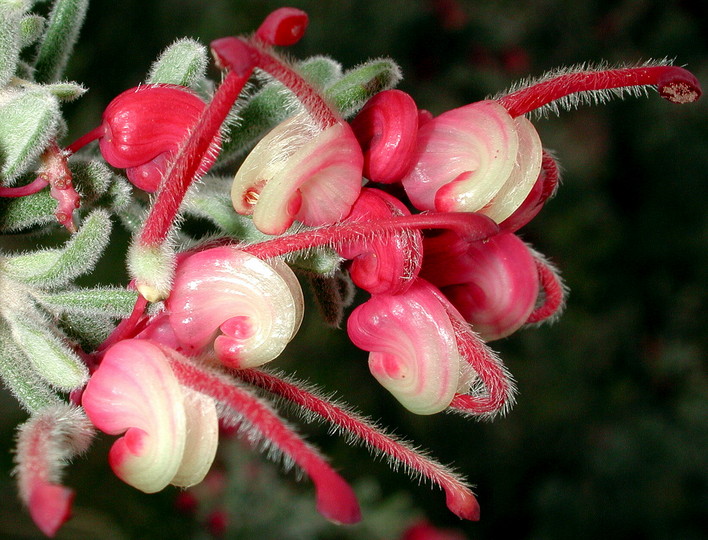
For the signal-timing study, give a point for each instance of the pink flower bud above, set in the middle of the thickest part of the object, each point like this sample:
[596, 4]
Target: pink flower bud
[247, 309]
[386, 129]
[412, 344]
[493, 284]
[143, 127]
[476, 158]
[384, 264]
[283, 27]
[135, 393]
[299, 171]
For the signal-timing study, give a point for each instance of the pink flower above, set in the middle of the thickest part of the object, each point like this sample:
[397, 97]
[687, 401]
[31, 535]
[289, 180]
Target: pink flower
[299, 171]
[382, 264]
[248, 310]
[494, 285]
[476, 158]
[413, 348]
[143, 128]
[170, 433]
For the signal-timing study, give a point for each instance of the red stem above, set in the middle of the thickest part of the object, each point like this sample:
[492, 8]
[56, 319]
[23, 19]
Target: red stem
[38, 184]
[185, 166]
[674, 84]
[460, 499]
[305, 93]
[335, 498]
[553, 294]
[470, 226]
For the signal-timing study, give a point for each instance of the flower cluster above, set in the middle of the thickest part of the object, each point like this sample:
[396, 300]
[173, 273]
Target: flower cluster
[352, 189]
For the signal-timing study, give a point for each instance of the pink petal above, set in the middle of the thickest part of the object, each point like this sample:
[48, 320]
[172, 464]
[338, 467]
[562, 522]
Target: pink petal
[134, 392]
[413, 350]
[299, 172]
[247, 308]
[464, 156]
[50, 507]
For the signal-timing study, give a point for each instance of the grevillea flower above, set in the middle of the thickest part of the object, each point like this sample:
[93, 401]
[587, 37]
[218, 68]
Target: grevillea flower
[299, 171]
[413, 347]
[143, 128]
[165, 378]
[246, 309]
[170, 433]
[386, 263]
[494, 285]
[476, 158]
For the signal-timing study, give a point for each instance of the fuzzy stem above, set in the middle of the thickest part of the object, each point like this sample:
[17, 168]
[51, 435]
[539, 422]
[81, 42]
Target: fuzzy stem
[305, 93]
[335, 499]
[498, 384]
[553, 294]
[470, 226]
[185, 166]
[460, 499]
[673, 83]
[78, 144]
[127, 328]
[38, 184]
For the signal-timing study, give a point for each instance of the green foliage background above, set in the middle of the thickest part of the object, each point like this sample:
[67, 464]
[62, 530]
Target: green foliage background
[610, 433]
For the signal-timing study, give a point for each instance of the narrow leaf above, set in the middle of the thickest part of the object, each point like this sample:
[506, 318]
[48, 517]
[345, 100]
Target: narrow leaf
[358, 85]
[28, 120]
[31, 28]
[10, 37]
[50, 357]
[55, 267]
[20, 378]
[109, 301]
[182, 63]
[63, 27]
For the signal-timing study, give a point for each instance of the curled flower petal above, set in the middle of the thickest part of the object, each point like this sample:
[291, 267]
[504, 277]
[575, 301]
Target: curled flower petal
[413, 350]
[493, 284]
[386, 129]
[248, 308]
[202, 439]
[299, 172]
[144, 126]
[466, 156]
[134, 392]
[384, 264]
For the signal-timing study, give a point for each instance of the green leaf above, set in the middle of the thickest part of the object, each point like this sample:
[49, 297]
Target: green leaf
[91, 177]
[112, 301]
[11, 13]
[25, 212]
[183, 63]
[66, 91]
[89, 331]
[28, 120]
[358, 85]
[20, 378]
[31, 28]
[271, 105]
[63, 27]
[56, 267]
[51, 358]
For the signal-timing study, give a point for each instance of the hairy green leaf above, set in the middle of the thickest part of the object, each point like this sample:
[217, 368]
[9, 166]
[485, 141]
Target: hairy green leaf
[183, 63]
[358, 85]
[51, 358]
[28, 120]
[63, 27]
[20, 378]
[31, 28]
[56, 267]
[11, 13]
[110, 301]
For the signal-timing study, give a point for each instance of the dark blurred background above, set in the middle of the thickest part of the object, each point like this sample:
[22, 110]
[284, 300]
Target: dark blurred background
[610, 433]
